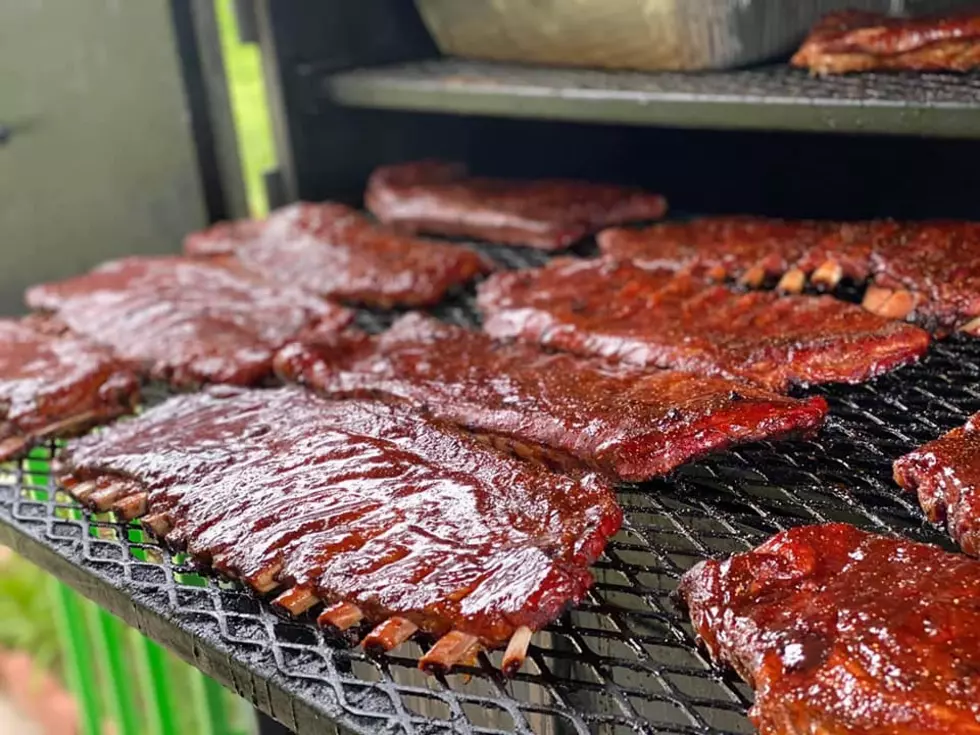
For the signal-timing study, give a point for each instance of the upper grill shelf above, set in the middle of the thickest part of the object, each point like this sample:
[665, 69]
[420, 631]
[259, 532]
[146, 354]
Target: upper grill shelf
[767, 98]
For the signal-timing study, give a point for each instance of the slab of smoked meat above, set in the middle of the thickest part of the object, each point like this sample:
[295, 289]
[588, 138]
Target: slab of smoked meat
[334, 251]
[186, 321]
[843, 632]
[750, 249]
[622, 312]
[853, 41]
[626, 422]
[946, 475]
[548, 214]
[53, 385]
[379, 513]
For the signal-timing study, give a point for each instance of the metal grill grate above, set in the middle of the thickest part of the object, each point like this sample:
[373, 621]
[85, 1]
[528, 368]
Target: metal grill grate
[623, 662]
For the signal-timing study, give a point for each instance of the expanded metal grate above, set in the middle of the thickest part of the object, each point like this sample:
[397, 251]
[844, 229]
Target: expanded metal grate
[623, 662]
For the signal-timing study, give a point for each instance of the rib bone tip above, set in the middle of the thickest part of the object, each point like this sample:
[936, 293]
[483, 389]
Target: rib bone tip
[828, 274]
[516, 651]
[453, 648]
[341, 616]
[792, 281]
[296, 600]
[388, 635]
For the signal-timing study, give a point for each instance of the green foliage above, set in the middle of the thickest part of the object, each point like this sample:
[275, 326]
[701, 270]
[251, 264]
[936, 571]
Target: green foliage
[26, 620]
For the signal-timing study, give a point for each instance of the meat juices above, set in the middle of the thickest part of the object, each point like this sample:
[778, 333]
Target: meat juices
[185, 321]
[53, 386]
[372, 509]
[629, 423]
[549, 214]
[854, 41]
[661, 319]
[842, 631]
[334, 251]
[946, 475]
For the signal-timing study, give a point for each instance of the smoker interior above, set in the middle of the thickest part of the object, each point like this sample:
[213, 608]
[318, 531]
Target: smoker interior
[625, 661]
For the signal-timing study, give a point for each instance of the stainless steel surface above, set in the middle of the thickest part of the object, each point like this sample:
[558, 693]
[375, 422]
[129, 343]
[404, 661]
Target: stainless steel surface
[635, 34]
[101, 162]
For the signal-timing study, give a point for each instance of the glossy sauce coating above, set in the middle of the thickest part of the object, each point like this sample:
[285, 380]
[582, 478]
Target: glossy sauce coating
[56, 385]
[853, 40]
[629, 423]
[842, 632]
[946, 475]
[332, 250]
[363, 503]
[716, 246]
[661, 319]
[549, 214]
[186, 321]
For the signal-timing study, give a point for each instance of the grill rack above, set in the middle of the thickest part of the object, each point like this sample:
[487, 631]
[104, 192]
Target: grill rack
[623, 662]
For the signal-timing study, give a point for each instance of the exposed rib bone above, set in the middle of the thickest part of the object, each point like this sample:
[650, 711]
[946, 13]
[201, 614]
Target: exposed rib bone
[754, 276]
[158, 523]
[792, 281]
[448, 651]
[265, 580]
[390, 634]
[104, 497]
[888, 303]
[12, 446]
[131, 506]
[828, 274]
[297, 600]
[342, 615]
[717, 273]
[516, 651]
[972, 327]
[83, 490]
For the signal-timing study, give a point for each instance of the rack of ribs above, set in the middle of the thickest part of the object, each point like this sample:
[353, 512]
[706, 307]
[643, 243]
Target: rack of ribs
[379, 514]
[661, 319]
[334, 251]
[946, 475]
[185, 321]
[53, 385]
[855, 41]
[625, 422]
[927, 272]
[441, 198]
[842, 631]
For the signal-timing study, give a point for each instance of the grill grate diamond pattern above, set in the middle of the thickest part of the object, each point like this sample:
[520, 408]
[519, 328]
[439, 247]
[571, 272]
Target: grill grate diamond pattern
[624, 662]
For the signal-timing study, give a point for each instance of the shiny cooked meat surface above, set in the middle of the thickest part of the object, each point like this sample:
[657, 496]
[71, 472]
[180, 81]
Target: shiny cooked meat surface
[946, 475]
[54, 385]
[927, 272]
[333, 250]
[855, 41]
[370, 508]
[666, 320]
[626, 422]
[549, 214]
[842, 632]
[184, 321]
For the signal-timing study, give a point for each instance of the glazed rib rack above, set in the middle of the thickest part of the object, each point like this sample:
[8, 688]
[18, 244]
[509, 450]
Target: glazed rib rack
[623, 662]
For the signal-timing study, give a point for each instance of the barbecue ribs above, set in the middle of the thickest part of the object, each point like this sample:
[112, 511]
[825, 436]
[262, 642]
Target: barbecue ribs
[332, 250]
[52, 386]
[625, 422]
[186, 321]
[661, 319]
[946, 475]
[843, 632]
[927, 272]
[853, 40]
[440, 198]
[378, 513]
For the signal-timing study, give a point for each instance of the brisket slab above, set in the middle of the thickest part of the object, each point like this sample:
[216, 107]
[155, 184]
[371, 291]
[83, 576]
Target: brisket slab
[854, 41]
[53, 385]
[441, 198]
[946, 475]
[185, 321]
[626, 422]
[661, 319]
[844, 632]
[335, 251]
[360, 505]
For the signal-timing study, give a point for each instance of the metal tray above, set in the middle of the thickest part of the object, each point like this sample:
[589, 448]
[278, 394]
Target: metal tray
[624, 662]
[650, 35]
